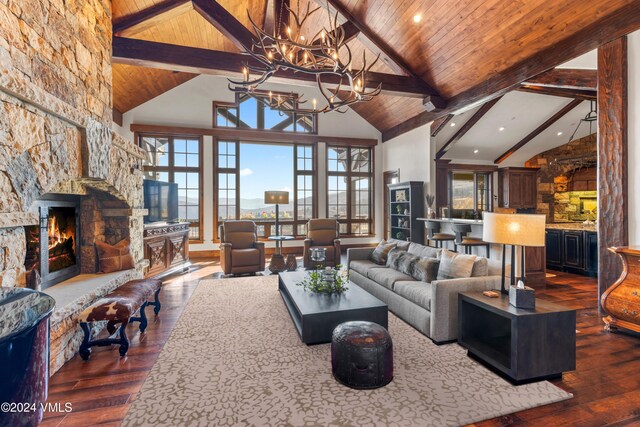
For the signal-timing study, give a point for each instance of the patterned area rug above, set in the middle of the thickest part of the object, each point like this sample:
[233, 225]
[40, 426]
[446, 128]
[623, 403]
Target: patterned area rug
[234, 358]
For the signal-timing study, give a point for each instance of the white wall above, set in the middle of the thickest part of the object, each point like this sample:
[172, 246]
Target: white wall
[191, 105]
[634, 136]
[411, 153]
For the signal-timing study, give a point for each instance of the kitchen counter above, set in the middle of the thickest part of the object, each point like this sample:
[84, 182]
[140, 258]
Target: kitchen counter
[572, 226]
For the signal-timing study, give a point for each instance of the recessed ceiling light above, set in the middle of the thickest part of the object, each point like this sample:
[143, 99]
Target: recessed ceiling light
[475, 151]
[452, 124]
[559, 133]
[417, 18]
[501, 128]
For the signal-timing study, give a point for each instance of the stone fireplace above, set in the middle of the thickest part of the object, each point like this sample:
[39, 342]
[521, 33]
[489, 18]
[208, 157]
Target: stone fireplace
[56, 145]
[53, 245]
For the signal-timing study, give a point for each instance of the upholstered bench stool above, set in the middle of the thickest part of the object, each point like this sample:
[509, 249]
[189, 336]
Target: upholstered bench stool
[119, 308]
[362, 355]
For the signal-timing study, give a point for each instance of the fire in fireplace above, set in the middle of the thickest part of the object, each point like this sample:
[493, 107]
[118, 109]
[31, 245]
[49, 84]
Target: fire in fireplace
[62, 241]
[52, 246]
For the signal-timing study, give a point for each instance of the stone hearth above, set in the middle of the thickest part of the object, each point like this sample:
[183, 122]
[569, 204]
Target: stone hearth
[56, 138]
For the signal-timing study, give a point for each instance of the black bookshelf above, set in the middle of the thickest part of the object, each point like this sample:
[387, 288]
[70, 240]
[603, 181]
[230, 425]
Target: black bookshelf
[406, 204]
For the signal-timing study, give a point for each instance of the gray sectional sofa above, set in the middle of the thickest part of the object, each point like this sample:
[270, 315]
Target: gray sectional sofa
[431, 308]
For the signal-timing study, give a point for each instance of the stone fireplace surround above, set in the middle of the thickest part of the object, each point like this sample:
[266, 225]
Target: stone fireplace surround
[69, 156]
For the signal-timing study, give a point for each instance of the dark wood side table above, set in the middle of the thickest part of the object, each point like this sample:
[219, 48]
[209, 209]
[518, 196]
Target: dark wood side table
[522, 345]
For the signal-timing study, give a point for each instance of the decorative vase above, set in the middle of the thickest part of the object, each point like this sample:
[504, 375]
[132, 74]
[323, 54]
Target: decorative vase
[292, 263]
[431, 213]
[277, 263]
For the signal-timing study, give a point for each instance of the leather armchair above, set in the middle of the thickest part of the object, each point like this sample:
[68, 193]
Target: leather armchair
[240, 250]
[322, 233]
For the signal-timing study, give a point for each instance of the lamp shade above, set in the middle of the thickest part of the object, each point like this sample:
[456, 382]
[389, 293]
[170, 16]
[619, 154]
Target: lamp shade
[276, 197]
[514, 229]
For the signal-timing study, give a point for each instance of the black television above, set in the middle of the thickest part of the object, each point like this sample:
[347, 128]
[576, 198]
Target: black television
[161, 200]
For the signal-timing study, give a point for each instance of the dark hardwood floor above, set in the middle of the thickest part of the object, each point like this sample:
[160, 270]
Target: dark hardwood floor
[606, 383]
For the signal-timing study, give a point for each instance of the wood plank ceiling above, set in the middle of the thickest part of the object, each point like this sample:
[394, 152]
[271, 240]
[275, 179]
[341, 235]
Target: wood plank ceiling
[456, 48]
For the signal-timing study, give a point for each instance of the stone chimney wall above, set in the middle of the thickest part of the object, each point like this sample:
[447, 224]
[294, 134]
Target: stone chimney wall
[55, 119]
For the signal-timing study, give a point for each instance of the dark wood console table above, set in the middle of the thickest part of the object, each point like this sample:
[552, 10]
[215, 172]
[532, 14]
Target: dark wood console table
[523, 345]
[166, 247]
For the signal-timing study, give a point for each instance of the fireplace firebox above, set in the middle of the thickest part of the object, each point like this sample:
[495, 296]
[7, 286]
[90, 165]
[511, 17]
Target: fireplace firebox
[53, 247]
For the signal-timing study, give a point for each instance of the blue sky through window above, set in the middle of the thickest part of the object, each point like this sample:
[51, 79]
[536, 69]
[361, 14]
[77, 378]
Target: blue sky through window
[264, 167]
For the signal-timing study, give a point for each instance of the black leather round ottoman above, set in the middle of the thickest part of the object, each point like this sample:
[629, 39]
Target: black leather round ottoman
[362, 355]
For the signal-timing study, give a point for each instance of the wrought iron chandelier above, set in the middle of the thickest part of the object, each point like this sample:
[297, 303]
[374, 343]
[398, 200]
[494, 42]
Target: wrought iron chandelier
[590, 118]
[326, 55]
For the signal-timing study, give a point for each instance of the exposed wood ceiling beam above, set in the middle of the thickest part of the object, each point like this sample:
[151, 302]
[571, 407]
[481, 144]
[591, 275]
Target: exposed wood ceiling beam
[202, 61]
[551, 120]
[116, 116]
[378, 46]
[587, 95]
[150, 17]
[225, 22]
[439, 124]
[566, 78]
[467, 127]
[253, 135]
[275, 10]
[609, 27]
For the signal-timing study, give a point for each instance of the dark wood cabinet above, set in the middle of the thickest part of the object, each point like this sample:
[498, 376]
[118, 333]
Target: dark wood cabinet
[166, 247]
[406, 205]
[591, 253]
[553, 242]
[574, 251]
[521, 344]
[517, 188]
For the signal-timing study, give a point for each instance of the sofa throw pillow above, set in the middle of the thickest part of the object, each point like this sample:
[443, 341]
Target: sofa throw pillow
[422, 269]
[480, 267]
[380, 253]
[401, 261]
[426, 269]
[454, 265]
[114, 257]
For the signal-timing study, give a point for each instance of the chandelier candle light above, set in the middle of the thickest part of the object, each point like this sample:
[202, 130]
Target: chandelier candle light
[326, 55]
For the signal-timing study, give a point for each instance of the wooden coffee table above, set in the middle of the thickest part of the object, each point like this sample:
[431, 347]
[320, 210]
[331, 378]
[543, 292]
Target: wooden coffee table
[315, 316]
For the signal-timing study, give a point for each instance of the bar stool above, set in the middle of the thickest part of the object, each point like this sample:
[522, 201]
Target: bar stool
[433, 233]
[461, 239]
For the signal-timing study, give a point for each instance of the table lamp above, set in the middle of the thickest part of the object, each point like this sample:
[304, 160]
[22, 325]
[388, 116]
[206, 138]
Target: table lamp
[515, 230]
[277, 198]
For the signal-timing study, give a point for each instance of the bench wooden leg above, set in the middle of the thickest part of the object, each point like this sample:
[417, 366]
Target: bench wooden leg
[156, 303]
[85, 347]
[87, 343]
[124, 341]
[142, 318]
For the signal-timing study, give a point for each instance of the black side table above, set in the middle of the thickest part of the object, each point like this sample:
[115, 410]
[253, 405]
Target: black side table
[522, 345]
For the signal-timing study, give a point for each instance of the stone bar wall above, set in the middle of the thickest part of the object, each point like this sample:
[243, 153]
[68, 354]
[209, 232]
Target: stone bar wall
[555, 177]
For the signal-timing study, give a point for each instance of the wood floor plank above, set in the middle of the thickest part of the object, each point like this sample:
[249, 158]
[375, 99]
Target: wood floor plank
[605, 384]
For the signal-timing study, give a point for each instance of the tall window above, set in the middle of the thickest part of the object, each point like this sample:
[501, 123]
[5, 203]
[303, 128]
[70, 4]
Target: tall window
[349, 186]
[243, 170]
[253, 112]
[469, 194]
[178, 159]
